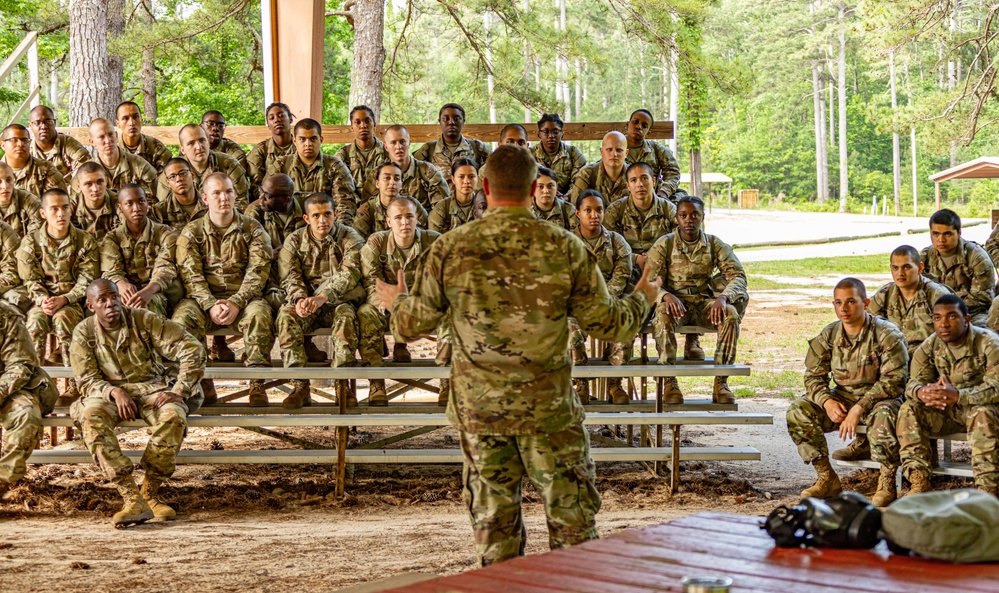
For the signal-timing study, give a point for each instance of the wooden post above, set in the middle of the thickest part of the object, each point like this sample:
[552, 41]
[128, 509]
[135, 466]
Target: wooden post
[341, 445]
[295, 54]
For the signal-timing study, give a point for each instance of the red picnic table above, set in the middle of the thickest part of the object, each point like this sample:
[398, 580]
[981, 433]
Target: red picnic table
[713, 544]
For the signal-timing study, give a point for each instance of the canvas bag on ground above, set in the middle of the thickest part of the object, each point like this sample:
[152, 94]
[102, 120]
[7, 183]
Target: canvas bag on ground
[953, 525]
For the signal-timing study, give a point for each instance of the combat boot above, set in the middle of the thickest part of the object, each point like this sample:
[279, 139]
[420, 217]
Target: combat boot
[66, 398]
[208, 389]
[857, 450]
[919, 482]
[618, 395]
[582, 387]
[672, 396]
[692, 347]
[887, 492]
[220, 351]
[312, 352]
[135, 510]
[400, 353]
[722, 394]
[376, 393]
[300, 396]
[150, 492]
[258, 395]
[443, 392]
[827, 485]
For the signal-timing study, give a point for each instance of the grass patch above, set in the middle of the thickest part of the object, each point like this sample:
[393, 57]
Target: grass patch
[818, 266]
[762, 283]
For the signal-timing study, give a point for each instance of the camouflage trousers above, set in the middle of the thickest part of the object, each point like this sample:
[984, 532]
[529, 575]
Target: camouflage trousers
[18, 299]
[443, 357]
[291, 330]
[159, 305]
[615, 353]
[61, 323]
[918, 423]
[808, 422]
[254, 321]
[561, 470]
[664, 330]
[374, 325]
[21, 420]
[97, 419]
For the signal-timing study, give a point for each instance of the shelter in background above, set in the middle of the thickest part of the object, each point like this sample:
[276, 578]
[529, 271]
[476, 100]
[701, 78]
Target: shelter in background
[707, 179]
[986, 167]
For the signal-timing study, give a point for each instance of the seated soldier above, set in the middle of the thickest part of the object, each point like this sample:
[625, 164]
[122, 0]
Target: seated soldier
[128, 120]
[613, 257]
[184, 205]
[13, 292]
[138, 256]
[865, 357]
[213, 123]
[203, 162]
[692, 294]
[263, 154]
[26, 394]
[665, 169]
[121, 166]
[421, 180]
[32, 175]
[57, 263]
[320, 270]
[224, 261]
[962, 266]
[384, 254]
[364, 154]
[62, 151]
[451, 213]
[18, 208]
[118, 357]
[954, 387]
[93, 203]
[607, 175]
[548, 206]
[313, 171]
[564, 161]
[372, 216]
[451, 146]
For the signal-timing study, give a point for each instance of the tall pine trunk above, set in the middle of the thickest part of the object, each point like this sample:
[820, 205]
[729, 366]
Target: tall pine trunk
[896, 153]
[822, 188]
[369, 55]
[90, 84]
[844, 181]
[150, 112]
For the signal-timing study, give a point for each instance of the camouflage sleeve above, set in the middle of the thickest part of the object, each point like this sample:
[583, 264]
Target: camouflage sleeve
[437, 221]
[622, 266]
[581, 182]
[257, 163]
[348, 275]
[671, 223]
[190, 265]
[88, 267]
[818, 366]
[370, 269]
[112, 262]
[731, 267]
[924, 256]
[290, 270]
[657, 259]
[984, 287]
[993, 319]
[985, 393]
[162, 191]
[165, 266]
[363, 220]
[161, 154]
[240, 184]
[175, 344]
[75, 154]
[612, 217]
[53, 178]
[570, 214]
[29, 268]
[923, 370]
[421, 215]
[992, 246]
[423, 152]
[894, 370]
[578, 161]
[89, 378]
[879, 302]
[8, 260]
[258, 269]
[668, 168]
[417, 313]
[598, 313]
[147, 179]
[343, 190]
[17, 354]
[33, 212]
[437, 188]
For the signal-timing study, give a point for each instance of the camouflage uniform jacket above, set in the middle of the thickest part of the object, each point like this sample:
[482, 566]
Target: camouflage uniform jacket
[562, 214]
[972, 368]
[233, 263]
[143, 260]
[424, 182]
[9, 242]
[330, 267]
[448, 214]
[914, 318]
[19, 368]
[37, 176]
[234, 150]
[277, 229]
[96, 223]
[363, 171]
[972, 278]
[58, 267]
[145, 339]
[218, 162]
[664, 166]
[442, 156]
[593, 176]
[641, 229]
[381, 259]
[22, 214]
[131, 169]
[148, 149]
[687, 270]
[171, 213]
[327, 174]
[262, 157]
[371, 217]
[66, 154]
[864, 370]
[565, 164]
[613, 257]
[511, 282]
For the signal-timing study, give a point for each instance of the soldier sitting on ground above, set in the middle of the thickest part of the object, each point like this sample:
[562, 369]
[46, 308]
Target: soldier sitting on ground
[421, 180]
[451, 146]
[94, 205]
[607, 175]
[128, 120]
[121, 167]
[263, 154]
[365, 153]
[665, 169]
[320, 271]
[954, 387]
[18, 208]
[455, 211]
[118, 357]
[203, 162]
[62, 151]
[32, 175]
[372, 216]
[313, 171]
[184, 204]
[865, 358]
[962, 266]
[549, 206]
[213, 123]
[564, 161]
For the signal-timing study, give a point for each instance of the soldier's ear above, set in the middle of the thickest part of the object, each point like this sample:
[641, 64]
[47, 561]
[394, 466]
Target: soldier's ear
[921, 266]
[867, 303]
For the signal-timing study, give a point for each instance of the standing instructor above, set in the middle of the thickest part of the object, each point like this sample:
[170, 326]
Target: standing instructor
[510, 283]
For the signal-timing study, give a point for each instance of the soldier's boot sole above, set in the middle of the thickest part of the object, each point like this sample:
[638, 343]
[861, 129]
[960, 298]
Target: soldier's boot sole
[376, 394]
[721, 393]
[617, 393]
[211, 396]
[887, 491]
[400, 353]
[443, 392]
[919, 482]
[692, 347]
[220, 351]
[859, 449]
[301, 396]
[672, 396]
[258, 395]
[312, 352]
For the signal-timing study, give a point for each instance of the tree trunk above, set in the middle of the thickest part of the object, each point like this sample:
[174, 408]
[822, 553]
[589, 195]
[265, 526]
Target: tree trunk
[896, 155]
[562, 65]
[116, 64]
[490, 80]
[369, 55]
[844, 181]
[527, 66]
[695, 174]
[674, 98]
[579, 89]
[90, 94]
[820, 140]
[150, 111]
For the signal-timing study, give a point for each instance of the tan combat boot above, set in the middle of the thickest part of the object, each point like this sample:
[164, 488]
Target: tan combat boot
[135, 510]
[258, 395]
[857, 450]
[208, 389]
[827, 485]
[722, 394]
[400, 353]
[312, 352]
[150, 492]
[672, 396]
[692, 347]
[220, 351]
[376, 394]
[618, 395]
[919, 482]
[300, 396]
[887, 492]
[582, 387]
[443, 392]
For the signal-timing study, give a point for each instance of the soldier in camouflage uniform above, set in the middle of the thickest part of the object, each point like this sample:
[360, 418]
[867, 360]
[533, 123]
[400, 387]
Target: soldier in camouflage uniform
[641, 217]
[455, 211]
[26, 394]
[128, 120]
[564, 161]
[213, 123]
[18, 208]
[549, 206]
[56, 263]
[94, 205]
[184, 205]
[962, 266]
[118, 357]
[421, 180]
[224, 261]
[607, 175]
[280, 214]
[263, 154]
[138, 256]
[122, 167]
[203, 162]
[62, 151]
[866, 359]
[665, 169]
[511, 397]
[365, 153]
[372, 216]
[451, 146]
[320, 270]
[32, 175]
[13, 292]
[312, 171]
[954, 387]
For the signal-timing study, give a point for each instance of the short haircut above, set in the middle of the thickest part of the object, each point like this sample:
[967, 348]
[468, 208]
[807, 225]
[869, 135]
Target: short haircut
[212, 112]
[131, 187]
[946, 217]
[907, 251]
[451, 106]
[186, 127]
[54, 191]
[282, 107]
[217, 176]
[46, 108]
[463, 162]
[642, 110]
[396, 128]
[590, 193]
[101, 120]
[378, 171]
[696, 201]
[308, 124]
[551, 117]
[647, 166]
[174, 161]
[350, 116]
[511, 170]
[15, 127]
[317, 199]
[545, 172]
[850, 282]
[401, 201]
[509, 127]
[124, 103]
[91, 167]
[953, 299]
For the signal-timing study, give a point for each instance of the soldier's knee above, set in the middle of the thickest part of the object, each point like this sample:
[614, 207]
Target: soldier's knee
[984, 418]
[731, 314]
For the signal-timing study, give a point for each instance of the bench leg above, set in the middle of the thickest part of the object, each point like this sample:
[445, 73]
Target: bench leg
[674, 477]
[53, 436]
[69, 433]
[341, 450]
[659, 427]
